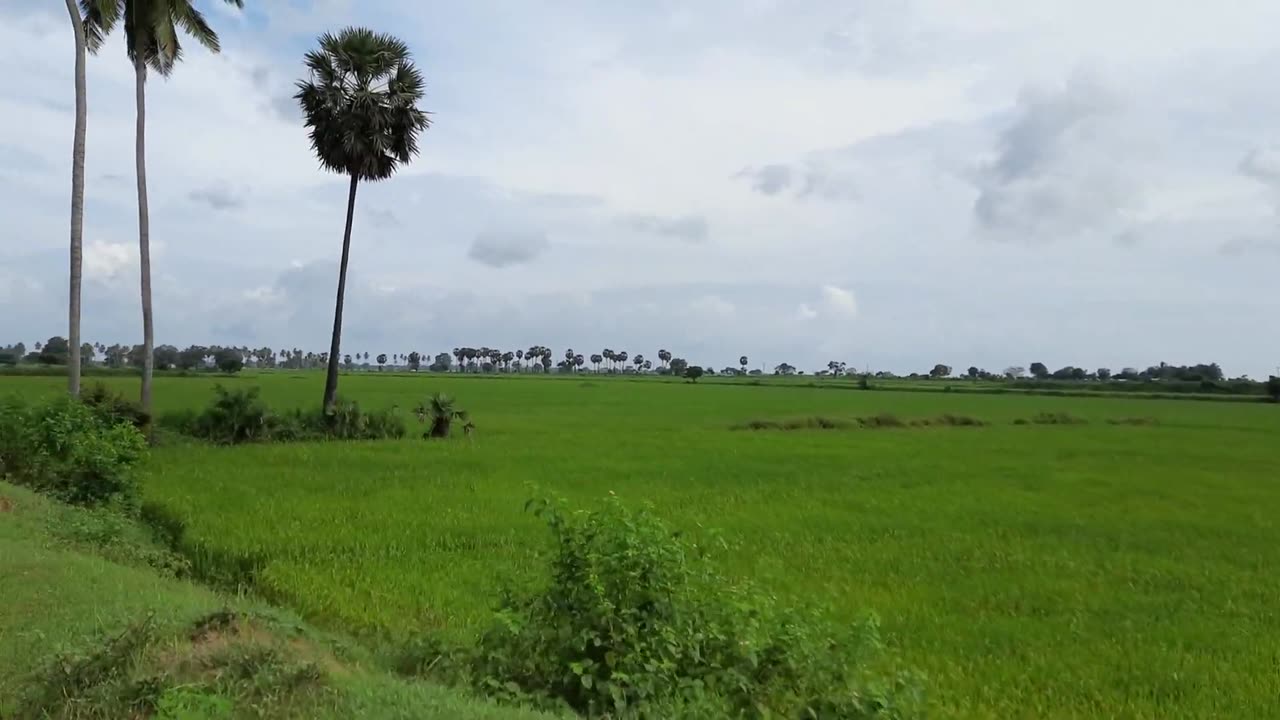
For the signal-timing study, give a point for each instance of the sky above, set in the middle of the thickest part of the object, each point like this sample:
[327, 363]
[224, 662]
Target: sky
[888, 183]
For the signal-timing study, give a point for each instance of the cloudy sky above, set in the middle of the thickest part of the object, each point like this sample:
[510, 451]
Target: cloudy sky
[891, 183]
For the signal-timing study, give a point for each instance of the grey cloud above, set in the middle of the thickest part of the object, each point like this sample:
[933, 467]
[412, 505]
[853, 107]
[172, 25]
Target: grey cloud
[218, 196]
[563, 201]
[1059, 168]
[1250, 246]
[501, 249]
[770, 179]
[382, 218]
[1263, 165]
[690, 228]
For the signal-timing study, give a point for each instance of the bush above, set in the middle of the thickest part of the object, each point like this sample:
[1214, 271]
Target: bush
[65, 449]
[635, 622]
[114, 407]
[234, 417]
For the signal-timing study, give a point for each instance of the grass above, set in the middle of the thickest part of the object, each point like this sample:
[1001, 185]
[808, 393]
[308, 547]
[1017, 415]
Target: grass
[1100, 568]
[93, 637]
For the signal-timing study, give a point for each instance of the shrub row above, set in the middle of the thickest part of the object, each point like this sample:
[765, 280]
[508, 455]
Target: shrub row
[241, 416]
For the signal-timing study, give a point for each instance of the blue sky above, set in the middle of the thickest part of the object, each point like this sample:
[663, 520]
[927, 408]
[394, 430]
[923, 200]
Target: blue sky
[888, 183]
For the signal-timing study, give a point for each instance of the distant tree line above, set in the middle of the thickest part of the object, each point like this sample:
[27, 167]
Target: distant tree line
[1200, 377]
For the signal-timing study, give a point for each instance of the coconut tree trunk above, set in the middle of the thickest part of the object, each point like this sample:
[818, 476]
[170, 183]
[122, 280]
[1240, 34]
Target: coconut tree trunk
[77, 205]
[144, 233]
[331, 378]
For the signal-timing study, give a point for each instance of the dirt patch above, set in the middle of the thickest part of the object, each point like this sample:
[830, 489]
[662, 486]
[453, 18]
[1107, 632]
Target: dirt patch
[6, 505]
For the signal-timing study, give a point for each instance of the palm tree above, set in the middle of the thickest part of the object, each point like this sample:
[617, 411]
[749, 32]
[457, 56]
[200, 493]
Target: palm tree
[638, 361]
[361, 104]
[440, 412]
[596, 359]
[151, 41]
[579, 360]
[743, 362]
[77, 202]
[665, 357]
[621, 357]
[519, 358]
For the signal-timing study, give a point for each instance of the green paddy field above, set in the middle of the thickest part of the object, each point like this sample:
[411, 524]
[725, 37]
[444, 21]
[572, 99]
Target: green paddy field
[1123, 565]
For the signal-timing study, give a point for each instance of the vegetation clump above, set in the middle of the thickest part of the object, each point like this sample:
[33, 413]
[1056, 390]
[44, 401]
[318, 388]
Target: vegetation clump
[438, 412]
[240, 416]
[635, 622]
[68, 450]
[1051, 418]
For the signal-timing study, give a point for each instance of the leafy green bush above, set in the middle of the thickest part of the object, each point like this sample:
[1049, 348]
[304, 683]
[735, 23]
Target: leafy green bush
[65, 449]
[635, 622]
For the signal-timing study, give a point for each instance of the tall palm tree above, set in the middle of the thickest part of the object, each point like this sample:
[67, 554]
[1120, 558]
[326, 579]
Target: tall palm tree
[743, 362]
[151, 42]
[77, 202]
[361, 104]
[596, 359]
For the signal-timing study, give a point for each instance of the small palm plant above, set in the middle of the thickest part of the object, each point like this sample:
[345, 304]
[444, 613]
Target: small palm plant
[439, 412]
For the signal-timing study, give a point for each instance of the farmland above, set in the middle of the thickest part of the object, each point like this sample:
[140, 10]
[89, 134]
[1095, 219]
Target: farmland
[1028, 570]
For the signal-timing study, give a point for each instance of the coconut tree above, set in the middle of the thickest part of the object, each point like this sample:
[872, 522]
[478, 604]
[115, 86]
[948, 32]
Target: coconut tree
[665, 357]
[638, 361]
[151, 29]
[519, 359]
[360, 102]
[743, 362]
[77, 201]
[579, 361]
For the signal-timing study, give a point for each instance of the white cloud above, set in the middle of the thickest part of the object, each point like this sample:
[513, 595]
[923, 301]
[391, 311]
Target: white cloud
[107, 260]
[713, 305]
[839, 301]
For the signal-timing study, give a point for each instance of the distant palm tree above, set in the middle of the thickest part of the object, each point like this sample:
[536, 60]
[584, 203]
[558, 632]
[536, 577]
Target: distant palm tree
[519, 358]
[648, 365]
[621, 357]
[151, 41]
[596, 359]
[579, 360]
[665, 357]
[743, 362]
[361, 103]
[638, 361]
[77, 201]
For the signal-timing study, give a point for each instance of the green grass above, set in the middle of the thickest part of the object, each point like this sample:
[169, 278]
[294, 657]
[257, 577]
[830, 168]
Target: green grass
[1030, 570]
[60, 599]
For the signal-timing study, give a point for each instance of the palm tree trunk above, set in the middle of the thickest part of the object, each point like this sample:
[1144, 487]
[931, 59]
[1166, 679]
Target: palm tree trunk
[77, 205]
[144, 233]
[331, 378]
